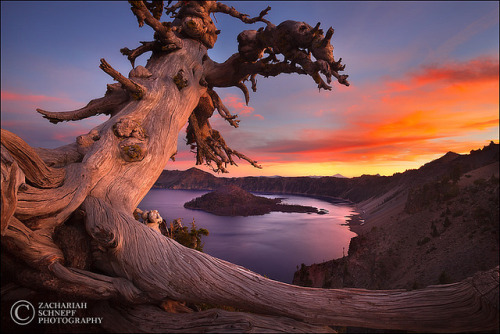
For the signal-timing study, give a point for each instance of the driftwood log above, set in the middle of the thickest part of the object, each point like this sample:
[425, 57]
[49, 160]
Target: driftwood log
[67, 221]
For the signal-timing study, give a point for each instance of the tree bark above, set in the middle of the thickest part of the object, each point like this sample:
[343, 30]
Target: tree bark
[87, 192]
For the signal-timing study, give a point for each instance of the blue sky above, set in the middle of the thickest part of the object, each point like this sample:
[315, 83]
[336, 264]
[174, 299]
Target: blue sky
[424, 80]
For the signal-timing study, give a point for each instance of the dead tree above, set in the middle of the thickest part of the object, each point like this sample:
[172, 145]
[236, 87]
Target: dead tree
[67, 213]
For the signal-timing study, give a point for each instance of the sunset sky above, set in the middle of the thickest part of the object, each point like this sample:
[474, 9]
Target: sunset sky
[424, 81]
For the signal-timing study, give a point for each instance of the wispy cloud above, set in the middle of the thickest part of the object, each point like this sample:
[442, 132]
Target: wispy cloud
[13, 96]
[476, 70]
[36, 130]
[421, 113]
[465, 34]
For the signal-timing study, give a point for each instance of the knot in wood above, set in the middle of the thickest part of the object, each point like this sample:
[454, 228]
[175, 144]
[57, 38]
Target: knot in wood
[132, 150]
[126, 128]
[200, 28]
[179, 80]
[88, 139]
[104, 237]
[193, 26]
[298, 34]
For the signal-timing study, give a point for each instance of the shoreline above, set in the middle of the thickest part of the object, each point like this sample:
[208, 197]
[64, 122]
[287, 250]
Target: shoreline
[355, 222]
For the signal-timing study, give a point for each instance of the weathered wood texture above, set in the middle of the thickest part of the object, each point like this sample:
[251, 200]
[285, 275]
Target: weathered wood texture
[152, 319]
[104, 175]
[464, 306]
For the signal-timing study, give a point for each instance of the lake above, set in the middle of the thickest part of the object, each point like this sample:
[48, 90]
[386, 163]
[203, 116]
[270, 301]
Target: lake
[274, 244]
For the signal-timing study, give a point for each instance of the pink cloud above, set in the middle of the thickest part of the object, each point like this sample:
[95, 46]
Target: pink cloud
[236, 105]
[12, 96]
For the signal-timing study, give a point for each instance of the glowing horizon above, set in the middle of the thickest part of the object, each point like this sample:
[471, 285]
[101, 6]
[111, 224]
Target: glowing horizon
[421, 85]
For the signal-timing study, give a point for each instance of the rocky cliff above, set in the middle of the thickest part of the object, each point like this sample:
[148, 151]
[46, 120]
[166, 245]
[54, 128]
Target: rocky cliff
[436, 224]
[439, 226]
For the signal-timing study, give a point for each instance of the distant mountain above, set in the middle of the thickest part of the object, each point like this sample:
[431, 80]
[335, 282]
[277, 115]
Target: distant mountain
[340, 176]
[432, 225]
[193, 178]
[355, 189]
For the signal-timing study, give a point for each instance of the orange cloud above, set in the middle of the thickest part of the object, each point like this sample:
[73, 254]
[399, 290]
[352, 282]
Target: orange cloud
[479, 69]
[384, 127]
[412, 118]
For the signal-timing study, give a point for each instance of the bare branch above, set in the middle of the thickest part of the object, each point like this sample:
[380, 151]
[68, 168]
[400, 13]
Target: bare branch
[107, 105]
[156, 8]
[164, 33]
[254, 82]
[172, 9]
[209, 144]
[234, 71]
[221, 108]
[222, 8]
[296, 41]
[134, 88]
[133, 54]
[244, 89]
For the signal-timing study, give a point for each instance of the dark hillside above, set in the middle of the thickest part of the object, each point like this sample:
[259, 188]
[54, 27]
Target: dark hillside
[356, 189]
[431, 225]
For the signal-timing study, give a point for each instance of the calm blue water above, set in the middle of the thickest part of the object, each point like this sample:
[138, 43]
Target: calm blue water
[273, 244]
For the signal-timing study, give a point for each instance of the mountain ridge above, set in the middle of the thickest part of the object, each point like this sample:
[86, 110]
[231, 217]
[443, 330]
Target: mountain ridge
[431, 225]
[355, 189]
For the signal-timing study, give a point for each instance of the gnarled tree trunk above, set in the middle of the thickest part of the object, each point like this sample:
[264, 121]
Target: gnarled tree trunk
[67, 214]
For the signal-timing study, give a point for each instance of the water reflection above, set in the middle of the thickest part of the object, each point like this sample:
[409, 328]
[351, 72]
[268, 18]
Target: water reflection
[273, 244]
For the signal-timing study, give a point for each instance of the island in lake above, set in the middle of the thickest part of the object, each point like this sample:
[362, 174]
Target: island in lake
[231, 200]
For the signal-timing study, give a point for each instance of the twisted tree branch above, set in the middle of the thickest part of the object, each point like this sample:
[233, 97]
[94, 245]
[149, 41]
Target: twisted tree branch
[164, 33]
[209, 144]
[133, 54]
[112, 101]
[35, 169]
[222, 8]
[222, 109]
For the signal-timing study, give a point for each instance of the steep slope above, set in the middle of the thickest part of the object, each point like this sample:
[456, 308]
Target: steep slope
[439, 225]
[431, 225]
